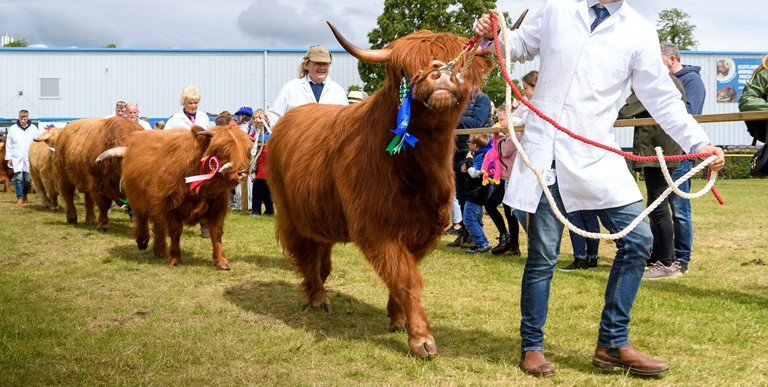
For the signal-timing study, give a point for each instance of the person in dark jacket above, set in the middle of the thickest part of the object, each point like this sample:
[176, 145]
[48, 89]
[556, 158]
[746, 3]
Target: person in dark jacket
[476, 193]
[647, 138]
[476, 115]
[695, 93]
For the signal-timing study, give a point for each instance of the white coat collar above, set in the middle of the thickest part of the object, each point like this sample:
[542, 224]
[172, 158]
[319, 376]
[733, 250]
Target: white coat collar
[587, 17]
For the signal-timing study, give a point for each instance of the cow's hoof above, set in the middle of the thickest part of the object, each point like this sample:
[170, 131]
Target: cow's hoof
[321, 307]
[103, 228]
[425, 350]
[396, 327]
[223, 266]
[72, 220]
[174, 261]
[142, 245]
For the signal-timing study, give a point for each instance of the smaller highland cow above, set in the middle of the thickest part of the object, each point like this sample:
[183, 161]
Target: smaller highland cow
[156, 165]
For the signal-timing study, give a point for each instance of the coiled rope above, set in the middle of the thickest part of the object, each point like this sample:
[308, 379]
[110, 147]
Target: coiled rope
[504, 66]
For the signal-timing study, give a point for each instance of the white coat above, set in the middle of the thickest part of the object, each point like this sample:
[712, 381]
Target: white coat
[582, 78]
[297, 92]
[180, 120]
[17, 146]
[145, 124]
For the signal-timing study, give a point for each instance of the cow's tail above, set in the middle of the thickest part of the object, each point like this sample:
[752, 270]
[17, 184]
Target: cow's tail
[114, 152]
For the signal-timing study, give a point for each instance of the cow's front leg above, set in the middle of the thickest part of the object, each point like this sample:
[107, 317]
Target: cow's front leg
[216, 229]
[90, 214]
[175, 227]
[397, 268]
[104, 205]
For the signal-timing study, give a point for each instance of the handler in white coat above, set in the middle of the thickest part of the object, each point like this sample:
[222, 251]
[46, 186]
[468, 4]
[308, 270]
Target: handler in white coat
[590, 52]
[190, 114]
[313, 84]
[20, 137]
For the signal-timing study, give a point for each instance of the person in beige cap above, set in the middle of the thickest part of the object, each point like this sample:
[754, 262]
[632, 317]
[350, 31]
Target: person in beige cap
[313, 84]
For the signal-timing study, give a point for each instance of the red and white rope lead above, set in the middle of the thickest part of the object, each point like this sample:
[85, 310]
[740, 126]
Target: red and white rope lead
[673, 185]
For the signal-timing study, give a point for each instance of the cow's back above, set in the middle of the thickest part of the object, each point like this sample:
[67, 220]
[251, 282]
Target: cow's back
[155, 165]
[73, 149]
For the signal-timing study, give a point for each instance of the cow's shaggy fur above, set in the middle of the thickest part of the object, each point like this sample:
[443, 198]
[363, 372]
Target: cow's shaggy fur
[333, 182]
[5, 172]
[45, 176]
[154, 167]
[77, 147]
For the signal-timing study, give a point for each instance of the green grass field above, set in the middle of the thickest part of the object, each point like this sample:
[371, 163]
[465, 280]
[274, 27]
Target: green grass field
[81, 307]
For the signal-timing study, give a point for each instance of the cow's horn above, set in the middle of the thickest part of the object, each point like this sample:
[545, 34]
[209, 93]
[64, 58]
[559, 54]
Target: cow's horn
[114, 152]
[519, 20]
[43, 137]
[366, 55]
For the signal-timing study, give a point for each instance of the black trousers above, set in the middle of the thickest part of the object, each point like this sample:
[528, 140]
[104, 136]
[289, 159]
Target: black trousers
[261, 195]
[661, 219]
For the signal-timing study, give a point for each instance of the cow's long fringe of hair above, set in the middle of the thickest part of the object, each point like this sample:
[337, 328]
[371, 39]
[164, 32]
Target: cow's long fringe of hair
[161, 160]
[157, 163]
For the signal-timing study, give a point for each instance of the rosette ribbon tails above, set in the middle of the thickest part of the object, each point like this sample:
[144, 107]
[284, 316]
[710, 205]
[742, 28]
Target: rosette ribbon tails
[195, 182]
[402, 137]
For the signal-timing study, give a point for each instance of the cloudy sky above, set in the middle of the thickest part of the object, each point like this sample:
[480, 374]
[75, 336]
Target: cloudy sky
[298, 23]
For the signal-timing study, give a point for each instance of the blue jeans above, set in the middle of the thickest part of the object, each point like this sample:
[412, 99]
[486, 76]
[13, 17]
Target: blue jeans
[456, 211]
[585, 220]
[473, 221]
[544, 234]
[23, 182]
[681, 215]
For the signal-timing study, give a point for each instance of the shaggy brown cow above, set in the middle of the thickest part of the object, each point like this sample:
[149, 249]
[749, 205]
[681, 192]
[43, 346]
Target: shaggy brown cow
[5, 172]
[155, 165]
[77, 147]
[44, 176]
[333, 182]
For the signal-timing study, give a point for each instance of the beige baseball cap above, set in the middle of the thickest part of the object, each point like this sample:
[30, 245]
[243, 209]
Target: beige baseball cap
[318, 54]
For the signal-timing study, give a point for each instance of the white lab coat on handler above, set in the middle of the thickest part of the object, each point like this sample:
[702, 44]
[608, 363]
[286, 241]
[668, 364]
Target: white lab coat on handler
[17, 146]
[297, 92]
[583, 76]
[180, 120]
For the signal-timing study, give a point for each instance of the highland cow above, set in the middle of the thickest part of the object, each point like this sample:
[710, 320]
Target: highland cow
[77, 147]
[333, 182]
[45, 177]
[155, 167]
[5, 172]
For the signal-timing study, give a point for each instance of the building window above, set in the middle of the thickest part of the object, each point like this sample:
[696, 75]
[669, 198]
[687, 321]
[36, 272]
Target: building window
[49, 88]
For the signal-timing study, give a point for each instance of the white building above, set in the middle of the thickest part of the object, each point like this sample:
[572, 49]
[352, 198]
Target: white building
[69, 83]
[5, 39]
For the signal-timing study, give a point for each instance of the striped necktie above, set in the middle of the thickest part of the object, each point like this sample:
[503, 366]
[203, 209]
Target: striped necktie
[602, 14]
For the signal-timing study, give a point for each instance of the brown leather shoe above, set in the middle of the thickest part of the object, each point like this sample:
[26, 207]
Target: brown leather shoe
[630, 359]
[534, 363]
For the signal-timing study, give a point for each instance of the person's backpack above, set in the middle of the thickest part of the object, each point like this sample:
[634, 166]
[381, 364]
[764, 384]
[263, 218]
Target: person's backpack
[757, 129]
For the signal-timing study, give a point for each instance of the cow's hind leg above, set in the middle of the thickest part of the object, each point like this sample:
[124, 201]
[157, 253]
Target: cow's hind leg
[397, 268]
[312, 260]
[141, 230]
[68, 193]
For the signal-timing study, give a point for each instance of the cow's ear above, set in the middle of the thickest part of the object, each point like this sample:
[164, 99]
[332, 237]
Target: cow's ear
[203, 137]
